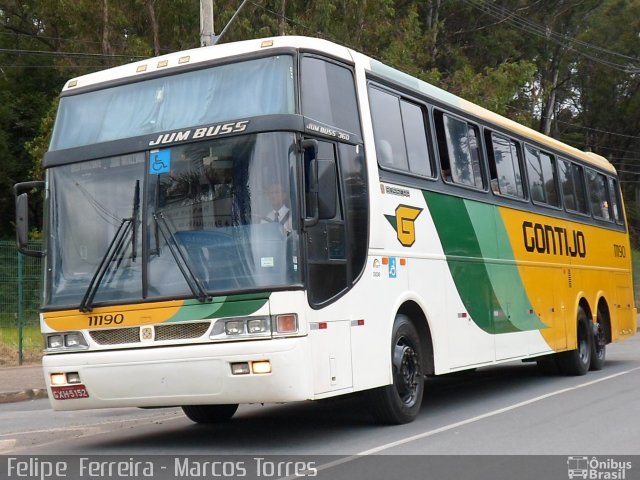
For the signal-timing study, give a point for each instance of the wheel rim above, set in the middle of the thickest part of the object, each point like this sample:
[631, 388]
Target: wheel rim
[406, 371]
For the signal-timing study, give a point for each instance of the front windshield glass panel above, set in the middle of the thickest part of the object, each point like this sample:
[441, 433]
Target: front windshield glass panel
[226, 92]
[224, 210]
[227, 207]
[95, 205]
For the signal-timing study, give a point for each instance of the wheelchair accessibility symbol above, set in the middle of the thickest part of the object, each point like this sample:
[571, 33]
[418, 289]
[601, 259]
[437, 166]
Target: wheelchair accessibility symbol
[159, 161]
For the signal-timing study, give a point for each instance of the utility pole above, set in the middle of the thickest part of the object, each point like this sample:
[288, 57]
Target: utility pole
[207, 32]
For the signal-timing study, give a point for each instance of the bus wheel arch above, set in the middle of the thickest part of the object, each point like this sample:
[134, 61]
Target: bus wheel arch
[400, 401]
[416, 316]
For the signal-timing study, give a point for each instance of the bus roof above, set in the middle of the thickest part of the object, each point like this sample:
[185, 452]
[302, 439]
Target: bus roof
[173, 62]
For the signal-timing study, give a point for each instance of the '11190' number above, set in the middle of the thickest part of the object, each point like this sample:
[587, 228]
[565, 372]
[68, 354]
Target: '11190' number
[105, 320]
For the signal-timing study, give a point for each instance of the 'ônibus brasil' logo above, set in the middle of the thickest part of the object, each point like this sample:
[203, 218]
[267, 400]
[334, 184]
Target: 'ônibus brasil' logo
[404, 223]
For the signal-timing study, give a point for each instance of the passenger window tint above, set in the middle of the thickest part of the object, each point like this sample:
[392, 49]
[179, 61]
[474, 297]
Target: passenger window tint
[572, 186]
[614, 195]
[387, 128]
[506, 175]
[416, 139]
[543, 183]
[458, 148]
[399, 129]
[598, 198]
[329, 95]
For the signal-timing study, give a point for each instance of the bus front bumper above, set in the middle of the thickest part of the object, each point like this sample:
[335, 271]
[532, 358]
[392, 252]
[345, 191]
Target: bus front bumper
[181, 375]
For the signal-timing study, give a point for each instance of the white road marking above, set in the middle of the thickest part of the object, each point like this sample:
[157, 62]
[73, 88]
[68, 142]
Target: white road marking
[451, 426]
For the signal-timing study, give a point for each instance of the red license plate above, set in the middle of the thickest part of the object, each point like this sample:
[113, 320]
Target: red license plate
[70, 392]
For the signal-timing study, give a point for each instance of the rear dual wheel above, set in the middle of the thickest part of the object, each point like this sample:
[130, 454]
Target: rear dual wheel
[577, 362]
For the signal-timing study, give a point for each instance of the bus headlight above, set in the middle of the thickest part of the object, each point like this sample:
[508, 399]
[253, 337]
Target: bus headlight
[67, 341]
[234, 327]
[55, 341]
[258, 325]
[254, 328]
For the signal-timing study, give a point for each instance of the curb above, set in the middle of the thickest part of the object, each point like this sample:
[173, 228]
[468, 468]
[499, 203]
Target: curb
[22, 395]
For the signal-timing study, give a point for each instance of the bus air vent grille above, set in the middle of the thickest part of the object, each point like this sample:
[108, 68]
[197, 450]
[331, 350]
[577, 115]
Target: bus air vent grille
[116, 336]
[176, 331]
[181, 331]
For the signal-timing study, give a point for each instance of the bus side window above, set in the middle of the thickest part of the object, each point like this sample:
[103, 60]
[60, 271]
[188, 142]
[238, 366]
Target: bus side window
[581, 193]
[328, 94]
[387, 127]
[459, 151]
[597, 188]
[543, 180]
[614, 197]
[504, 165]
[566, 181]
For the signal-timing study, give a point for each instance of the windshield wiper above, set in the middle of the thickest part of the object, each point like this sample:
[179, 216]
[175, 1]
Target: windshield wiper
[185, 269]
[115, 248]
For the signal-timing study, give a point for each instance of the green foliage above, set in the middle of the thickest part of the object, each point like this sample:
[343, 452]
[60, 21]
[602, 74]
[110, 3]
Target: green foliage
[567, 67]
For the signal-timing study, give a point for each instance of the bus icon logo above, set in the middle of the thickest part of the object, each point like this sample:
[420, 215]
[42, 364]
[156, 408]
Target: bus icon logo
[578, 467]
[404, 224]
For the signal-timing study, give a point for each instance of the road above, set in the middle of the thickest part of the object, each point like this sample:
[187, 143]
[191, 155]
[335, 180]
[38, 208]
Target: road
[510, 409]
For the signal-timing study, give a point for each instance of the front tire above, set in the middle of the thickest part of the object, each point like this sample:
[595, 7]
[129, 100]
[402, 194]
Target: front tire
[208, 414]
[400, 402]
[577, 362]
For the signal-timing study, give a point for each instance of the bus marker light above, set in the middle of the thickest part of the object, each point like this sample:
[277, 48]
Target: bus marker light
[58, 378]
[241, 368]
[322, 325]
[73, 377]
[185, 59]
[385, 260]
[266, 43]
[162, 63]
[360, 323]
[403, 261]
[287, 323]
[261, 367]
[141, 68]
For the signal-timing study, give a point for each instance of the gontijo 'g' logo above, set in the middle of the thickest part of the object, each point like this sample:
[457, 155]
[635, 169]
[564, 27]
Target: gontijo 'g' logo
[404, 223]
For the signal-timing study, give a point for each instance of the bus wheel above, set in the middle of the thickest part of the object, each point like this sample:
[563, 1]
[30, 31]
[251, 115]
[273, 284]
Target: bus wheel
[598, 343]
[210, 413]
[577, 362]
[400, 402]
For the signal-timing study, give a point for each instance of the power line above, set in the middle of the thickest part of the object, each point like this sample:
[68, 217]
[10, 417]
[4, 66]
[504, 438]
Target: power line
[565, 41]
[15, 51]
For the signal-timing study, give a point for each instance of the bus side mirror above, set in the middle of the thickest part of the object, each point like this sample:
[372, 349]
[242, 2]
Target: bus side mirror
[22, 218]
[327, 189]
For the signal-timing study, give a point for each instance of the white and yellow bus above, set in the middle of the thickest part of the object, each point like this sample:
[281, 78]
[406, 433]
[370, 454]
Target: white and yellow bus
[286, 219]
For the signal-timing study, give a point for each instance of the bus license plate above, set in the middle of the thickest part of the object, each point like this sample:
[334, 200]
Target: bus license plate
[70, 392]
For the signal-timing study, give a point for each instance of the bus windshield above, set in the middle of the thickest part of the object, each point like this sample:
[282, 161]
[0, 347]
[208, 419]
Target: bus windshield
[220, 215]
[238, 90]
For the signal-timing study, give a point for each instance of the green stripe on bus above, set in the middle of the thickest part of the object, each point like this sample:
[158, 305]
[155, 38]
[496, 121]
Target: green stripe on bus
[492, 292]
[232, 306]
